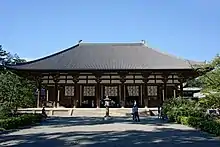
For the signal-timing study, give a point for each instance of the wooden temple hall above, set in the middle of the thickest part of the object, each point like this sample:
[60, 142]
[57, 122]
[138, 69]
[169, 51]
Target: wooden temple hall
[82, 75]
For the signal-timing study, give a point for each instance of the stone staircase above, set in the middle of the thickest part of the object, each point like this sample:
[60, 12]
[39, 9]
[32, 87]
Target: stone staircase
[89, 112]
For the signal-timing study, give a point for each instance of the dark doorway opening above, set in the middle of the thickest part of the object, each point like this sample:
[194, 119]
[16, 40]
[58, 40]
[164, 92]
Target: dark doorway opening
[89, 102]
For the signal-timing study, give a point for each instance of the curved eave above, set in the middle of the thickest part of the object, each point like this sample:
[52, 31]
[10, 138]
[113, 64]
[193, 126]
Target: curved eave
[86, 70]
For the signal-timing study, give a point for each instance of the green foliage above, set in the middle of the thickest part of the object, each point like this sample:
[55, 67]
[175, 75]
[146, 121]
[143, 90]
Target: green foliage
[175, 107]
[211, 79]
[4, 111]
[15, 91]
[194, 83]
[20, 121]
[210, 126]
[212, 100]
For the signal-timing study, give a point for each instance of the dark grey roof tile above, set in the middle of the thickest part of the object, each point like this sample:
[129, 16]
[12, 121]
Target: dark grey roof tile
[106, 56]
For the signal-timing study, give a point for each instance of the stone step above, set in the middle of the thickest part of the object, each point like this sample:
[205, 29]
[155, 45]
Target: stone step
[93, 112]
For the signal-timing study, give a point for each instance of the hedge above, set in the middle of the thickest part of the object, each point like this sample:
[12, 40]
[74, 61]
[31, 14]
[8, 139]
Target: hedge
[20, 121]
[210, 126]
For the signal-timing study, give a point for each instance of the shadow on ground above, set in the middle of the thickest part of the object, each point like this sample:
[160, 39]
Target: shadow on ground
[161, 137]
[79, 121]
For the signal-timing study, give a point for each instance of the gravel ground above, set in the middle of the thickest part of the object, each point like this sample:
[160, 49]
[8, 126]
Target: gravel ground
[94, 131]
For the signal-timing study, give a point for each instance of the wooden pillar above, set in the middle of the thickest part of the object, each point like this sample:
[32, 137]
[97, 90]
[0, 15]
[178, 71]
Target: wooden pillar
[58, 98]
[181, 79]
[165, 79]
[47, 95]
[174, 93]
[39, 95]
[122, 99]
[122, 80]
[163, 96]
[145, 95]
[98, 95]
[39, 86]
[145, 92]
[77, 92]
[141, 93]
[181, 89]
[56, 94]
[80, 95]
[77, 95]
[98, 89]
[56, 80]
[165, 91]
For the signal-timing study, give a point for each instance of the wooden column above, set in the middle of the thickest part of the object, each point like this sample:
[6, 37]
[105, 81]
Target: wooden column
[163, 96]
[181, 79]
[58, 98]
[39, 95]
[80, 95]
[141, 93]
[39, 86]
[165, 79]
[56, 80]
[56, 94]
[145, 94]
[98, 95]
[98, 89]
[77, 89]
[47, 96]
[181, 89]
[174, 93]
[122, 80]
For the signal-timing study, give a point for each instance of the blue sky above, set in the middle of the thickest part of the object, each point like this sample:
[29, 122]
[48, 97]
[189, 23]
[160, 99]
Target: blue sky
[188, 29]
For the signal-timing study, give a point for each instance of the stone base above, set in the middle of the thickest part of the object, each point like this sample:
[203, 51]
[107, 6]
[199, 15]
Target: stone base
[107, 117]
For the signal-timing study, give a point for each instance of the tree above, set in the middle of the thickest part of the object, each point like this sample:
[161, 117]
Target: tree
[211, 83]
[194, 83]
[15, 91]
[211, 79]
[3, 55]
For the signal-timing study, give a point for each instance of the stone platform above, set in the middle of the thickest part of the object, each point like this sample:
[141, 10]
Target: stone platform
[92, 112]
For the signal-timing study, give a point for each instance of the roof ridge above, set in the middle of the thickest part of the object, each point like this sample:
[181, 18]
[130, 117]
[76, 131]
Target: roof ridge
[111, 43]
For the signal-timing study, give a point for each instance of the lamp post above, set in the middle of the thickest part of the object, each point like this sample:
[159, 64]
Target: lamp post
[107, 104]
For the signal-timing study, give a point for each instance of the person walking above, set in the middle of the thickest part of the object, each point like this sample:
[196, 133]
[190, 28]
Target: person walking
[136, 114]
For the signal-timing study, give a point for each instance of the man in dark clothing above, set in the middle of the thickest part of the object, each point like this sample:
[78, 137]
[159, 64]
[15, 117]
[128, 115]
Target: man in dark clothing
[44, 112]
[135, 113]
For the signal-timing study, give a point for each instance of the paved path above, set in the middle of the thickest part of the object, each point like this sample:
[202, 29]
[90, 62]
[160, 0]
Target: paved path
[94, 132]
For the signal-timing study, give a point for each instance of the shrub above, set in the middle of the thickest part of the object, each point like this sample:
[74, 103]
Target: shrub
[5, 111]
[175, 107]
[23, 120]
[210, 126]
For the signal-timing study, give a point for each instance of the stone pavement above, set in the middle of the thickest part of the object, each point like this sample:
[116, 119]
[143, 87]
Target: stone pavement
[95, 132]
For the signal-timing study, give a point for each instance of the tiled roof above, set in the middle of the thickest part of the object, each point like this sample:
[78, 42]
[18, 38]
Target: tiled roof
[107, 56]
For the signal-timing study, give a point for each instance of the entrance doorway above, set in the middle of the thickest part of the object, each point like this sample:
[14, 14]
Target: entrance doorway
[89, 97]
[132, 95]
[113, 93]
[153, 96]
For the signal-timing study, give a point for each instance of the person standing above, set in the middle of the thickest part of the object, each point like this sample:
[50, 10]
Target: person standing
[136, 114]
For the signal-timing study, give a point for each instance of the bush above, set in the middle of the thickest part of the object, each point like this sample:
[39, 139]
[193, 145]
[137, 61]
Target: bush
[175, 107]
[5, 111]
[23, 120]
[210, 126]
